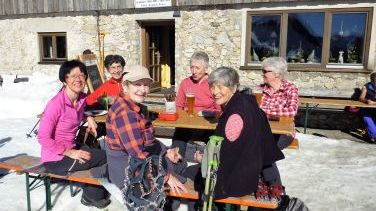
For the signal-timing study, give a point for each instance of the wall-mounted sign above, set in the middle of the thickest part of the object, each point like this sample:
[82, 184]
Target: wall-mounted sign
[152, 3]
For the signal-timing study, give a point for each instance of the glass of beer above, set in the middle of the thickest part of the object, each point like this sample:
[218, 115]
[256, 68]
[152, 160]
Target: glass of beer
[190, 103]
[258, 96]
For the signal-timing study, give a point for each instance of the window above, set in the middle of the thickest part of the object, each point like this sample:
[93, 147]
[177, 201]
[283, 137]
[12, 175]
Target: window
[265, 37]
[53, 47]
[347, 38]
[304, 37]
[311, 40]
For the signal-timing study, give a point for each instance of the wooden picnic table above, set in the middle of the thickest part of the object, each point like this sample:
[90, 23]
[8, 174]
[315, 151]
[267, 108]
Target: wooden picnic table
[283, 126]
[312, 103]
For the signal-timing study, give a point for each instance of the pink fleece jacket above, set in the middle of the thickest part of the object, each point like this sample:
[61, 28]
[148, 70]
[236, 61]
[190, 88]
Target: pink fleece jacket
[58, 126]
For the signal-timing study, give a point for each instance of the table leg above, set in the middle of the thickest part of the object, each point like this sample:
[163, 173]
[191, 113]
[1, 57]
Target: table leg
[47, 185]
[28, 192]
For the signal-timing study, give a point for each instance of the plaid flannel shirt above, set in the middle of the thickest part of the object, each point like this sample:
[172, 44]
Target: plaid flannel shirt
[128, 129]
[283, 102]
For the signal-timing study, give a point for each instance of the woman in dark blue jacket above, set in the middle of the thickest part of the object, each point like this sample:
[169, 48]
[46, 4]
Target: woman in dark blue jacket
[368, 95]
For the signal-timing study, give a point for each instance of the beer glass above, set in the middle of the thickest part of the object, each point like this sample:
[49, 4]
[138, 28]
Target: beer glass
[258, 96]
[190, 103]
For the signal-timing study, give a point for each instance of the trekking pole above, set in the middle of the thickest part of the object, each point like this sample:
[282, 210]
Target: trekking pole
[28, 135]
[213, 180]
[206, 191]
[212, 155]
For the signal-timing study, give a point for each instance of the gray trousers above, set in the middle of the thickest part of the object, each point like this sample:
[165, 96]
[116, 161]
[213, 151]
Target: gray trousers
[117, 162]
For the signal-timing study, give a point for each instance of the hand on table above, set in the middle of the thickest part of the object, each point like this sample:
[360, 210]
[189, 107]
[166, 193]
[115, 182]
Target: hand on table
[173, 155]
[175, 185]
[371, 102]
[197, 157]
[80, 155]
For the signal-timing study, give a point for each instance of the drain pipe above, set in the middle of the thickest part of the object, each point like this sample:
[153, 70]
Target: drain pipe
[100, 44]
[98, 35]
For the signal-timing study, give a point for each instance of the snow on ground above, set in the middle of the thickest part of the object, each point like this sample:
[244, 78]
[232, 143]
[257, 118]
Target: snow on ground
[327, 174]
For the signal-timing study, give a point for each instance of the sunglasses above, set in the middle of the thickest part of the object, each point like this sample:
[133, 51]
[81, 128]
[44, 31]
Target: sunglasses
[266, 71]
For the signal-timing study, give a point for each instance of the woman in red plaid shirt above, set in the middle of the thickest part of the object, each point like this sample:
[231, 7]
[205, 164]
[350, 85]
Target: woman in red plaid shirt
[128, 131]
[279, 96]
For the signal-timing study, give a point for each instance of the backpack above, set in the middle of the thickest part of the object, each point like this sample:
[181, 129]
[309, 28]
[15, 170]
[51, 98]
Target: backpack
[143, 184]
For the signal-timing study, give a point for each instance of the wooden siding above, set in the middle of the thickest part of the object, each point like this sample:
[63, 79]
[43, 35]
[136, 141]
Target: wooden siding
[23, 7]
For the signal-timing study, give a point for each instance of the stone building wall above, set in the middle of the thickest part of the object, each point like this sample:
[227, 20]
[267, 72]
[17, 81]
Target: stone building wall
[19, 41]
[122, 36]
[218, 32]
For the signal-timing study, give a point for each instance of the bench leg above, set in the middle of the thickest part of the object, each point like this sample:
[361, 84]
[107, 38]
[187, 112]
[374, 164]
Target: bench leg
[306, 118]
[73, 193]
[28, 192]
[47, 185]
[228, 207]
[308, 111]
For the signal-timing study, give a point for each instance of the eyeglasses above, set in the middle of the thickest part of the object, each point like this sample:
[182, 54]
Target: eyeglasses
[119, 67]
[79, 76]
[266, 71]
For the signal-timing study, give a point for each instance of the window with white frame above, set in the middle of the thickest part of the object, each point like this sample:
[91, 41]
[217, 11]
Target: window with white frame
[310, 39]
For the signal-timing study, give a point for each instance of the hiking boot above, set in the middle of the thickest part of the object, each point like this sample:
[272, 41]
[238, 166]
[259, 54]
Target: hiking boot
[102, 203]
[262, 190]
[276, 191]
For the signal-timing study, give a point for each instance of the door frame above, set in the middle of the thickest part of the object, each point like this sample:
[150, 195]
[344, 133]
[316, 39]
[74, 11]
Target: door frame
[145, 40]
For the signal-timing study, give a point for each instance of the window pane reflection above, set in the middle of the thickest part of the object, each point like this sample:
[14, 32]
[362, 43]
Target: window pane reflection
[347, 38]
[304, 37]
[265, 37]
[47, 47]
[60, 44]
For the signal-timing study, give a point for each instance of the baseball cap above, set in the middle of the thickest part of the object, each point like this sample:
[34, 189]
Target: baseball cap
[137, 72]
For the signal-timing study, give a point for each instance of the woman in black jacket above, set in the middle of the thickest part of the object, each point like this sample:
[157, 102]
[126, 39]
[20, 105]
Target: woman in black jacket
[248, 148]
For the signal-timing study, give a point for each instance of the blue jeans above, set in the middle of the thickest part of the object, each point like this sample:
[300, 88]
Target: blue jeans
[369, 118]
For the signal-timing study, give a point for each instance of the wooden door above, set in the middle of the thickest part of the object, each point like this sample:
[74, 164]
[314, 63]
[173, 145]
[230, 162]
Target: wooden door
[156, 49]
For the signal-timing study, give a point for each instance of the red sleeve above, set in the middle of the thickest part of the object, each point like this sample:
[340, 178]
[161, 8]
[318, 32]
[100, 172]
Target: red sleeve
[93, 97]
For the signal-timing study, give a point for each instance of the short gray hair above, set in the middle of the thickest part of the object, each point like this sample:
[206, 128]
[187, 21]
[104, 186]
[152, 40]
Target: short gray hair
[227, 76]
[276, 65]
[202, 56]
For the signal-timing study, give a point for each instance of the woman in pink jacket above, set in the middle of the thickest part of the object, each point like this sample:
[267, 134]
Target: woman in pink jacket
[57, 131]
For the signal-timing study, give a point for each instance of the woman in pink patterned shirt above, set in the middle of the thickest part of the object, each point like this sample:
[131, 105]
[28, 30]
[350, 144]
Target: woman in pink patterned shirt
[279, 97]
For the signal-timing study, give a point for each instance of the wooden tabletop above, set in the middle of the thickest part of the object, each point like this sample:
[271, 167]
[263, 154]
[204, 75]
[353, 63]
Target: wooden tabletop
[186, 121]
[333, 102]
[283, 126]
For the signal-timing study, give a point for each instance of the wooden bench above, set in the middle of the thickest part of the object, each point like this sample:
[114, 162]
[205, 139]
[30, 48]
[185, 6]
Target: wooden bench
[294, 144]
[311, 103]
[30, 166]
